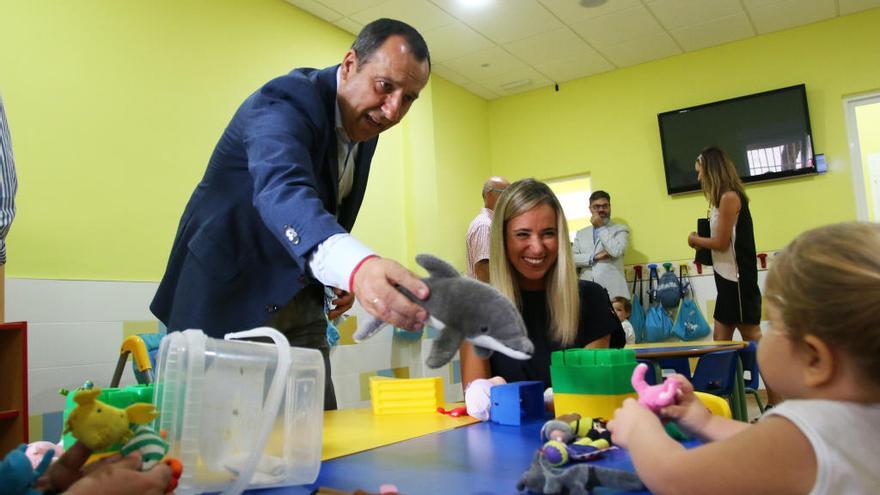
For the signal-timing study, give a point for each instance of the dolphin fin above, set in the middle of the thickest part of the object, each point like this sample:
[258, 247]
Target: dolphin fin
[492, 344]
[436, 267]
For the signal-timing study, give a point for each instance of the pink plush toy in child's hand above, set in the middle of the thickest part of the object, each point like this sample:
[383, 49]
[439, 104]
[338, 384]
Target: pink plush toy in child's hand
[654, 397]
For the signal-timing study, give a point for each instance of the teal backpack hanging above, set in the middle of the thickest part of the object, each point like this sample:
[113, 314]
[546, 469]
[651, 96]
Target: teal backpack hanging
[658, 324]
[690, 324]
[637, 316]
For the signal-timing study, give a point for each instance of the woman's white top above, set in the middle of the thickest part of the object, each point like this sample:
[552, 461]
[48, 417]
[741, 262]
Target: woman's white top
[723, 262]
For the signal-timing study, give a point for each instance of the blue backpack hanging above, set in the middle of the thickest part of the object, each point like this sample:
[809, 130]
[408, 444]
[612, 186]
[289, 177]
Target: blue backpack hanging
[658, 324]
[637, 316]
[670, 289]
[690, 324]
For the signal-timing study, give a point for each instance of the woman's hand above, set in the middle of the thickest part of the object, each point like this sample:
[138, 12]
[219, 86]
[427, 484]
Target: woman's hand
[629, 418]
[688, 411]
[692, 240]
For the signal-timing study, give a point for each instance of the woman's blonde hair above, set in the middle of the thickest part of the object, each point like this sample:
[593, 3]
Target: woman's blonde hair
[561, 282]
[719, 175]
[827, 283]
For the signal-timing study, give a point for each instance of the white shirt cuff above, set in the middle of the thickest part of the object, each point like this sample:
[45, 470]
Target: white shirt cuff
[335, 258]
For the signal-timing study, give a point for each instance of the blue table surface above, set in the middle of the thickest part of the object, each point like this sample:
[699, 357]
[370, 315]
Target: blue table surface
[484, 458]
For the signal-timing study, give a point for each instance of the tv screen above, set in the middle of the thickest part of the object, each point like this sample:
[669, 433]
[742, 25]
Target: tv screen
[766, 134]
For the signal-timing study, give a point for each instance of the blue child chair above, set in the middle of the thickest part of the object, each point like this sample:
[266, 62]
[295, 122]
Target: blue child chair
[749, 357]
[716, 374]
[680, 365]
[650, 375]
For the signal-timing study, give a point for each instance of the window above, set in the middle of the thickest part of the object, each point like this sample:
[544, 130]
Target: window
[573, 193]
[776, 158]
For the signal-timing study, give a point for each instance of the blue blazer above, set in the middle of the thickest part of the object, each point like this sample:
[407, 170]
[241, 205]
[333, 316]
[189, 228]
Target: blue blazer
[267, 199]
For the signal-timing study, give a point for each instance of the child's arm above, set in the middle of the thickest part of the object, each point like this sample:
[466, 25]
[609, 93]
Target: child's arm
[772, 457]
[690, 414]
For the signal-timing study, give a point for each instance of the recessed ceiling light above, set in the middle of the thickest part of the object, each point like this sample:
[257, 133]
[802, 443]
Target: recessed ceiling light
[512, 85]
[591, 3]
[474, 3]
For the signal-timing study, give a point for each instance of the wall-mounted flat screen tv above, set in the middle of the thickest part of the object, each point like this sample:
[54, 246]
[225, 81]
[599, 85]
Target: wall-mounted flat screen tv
[766, 134]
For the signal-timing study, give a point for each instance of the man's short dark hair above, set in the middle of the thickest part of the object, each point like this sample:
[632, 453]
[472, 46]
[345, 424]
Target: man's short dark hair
[374, 34]
[599, 195]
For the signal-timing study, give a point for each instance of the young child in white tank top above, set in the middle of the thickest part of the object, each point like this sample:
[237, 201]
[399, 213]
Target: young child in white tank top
[821, 352]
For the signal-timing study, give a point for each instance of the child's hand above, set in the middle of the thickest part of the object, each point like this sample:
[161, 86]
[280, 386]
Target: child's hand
[66, 470]
[688, 411]
[627, 418]
[122, 477]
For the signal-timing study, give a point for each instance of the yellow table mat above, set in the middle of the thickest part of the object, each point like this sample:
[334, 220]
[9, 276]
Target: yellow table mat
[349, 431]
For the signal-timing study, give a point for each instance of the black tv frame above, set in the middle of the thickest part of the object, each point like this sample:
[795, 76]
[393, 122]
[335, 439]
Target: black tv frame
[811, 170]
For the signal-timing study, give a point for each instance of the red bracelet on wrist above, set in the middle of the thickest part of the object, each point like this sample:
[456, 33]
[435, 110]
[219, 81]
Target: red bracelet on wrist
[356, 268]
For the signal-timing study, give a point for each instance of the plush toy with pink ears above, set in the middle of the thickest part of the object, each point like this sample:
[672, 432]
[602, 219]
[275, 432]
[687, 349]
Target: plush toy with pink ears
[37, 450]
[654, 397]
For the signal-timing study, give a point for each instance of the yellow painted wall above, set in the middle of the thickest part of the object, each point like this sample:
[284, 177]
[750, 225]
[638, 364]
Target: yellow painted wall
[461, 136]
[868, 122]
[115, 107]
[607, 125]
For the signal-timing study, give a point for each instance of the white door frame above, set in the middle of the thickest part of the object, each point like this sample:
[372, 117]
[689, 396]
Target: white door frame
[855, 152]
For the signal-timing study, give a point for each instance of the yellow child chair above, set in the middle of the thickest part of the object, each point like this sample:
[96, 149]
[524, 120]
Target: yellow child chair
[716, 405]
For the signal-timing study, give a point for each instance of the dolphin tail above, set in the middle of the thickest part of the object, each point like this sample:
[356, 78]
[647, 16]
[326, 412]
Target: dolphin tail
[368, 329]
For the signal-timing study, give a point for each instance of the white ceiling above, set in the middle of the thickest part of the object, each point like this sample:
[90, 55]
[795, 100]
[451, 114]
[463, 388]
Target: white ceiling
[496, 48]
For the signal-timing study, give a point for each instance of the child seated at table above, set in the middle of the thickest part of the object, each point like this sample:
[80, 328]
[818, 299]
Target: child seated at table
[821, 352]
[623, 310]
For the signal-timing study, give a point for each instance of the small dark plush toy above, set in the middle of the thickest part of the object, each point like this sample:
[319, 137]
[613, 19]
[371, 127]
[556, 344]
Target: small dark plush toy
[463, 308]
[577, 479]
[574, 439]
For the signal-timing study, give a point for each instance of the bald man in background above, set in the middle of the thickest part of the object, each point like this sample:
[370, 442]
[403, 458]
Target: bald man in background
[480, 228]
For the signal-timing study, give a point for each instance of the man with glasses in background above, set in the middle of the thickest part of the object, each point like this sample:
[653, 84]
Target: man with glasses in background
[478, 233]
[598, 249]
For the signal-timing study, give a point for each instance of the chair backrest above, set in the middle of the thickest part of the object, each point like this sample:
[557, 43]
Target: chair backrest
[749, 357]
[681, 365]
[716, 405]
[716, 372]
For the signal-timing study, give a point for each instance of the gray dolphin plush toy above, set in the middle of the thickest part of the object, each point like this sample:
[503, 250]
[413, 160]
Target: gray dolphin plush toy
[463, 308]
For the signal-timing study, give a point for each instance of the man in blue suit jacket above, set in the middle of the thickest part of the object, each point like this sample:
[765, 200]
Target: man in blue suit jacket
[267, 228]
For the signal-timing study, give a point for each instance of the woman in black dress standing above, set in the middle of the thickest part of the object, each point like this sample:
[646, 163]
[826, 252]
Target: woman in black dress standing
[734, 259]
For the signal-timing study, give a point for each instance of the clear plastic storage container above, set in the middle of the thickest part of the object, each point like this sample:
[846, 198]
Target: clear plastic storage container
[240, 414]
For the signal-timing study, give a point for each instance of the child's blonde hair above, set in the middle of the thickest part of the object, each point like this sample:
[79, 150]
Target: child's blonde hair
[827, 283]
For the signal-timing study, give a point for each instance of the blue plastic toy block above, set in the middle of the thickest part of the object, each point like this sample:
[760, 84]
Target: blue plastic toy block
[514, 403]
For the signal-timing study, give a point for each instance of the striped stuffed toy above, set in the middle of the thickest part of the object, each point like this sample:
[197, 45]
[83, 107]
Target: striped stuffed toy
[149, 444]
